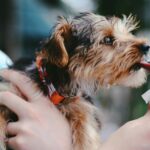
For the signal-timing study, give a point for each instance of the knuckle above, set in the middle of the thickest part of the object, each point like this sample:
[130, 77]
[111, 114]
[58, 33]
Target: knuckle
[19, 76]
[16, 75]
[37, 94]
[22, 77]
[19, 142]
[5, 94]
[34, 114]
[25, 128]
[30, 110]
[33, 109]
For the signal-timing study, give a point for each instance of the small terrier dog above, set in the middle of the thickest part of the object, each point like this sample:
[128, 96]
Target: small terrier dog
[82, 55]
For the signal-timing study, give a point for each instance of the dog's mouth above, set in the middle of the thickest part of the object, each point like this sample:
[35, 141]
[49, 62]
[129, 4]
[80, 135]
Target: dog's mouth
[136, 67]
[144, 63]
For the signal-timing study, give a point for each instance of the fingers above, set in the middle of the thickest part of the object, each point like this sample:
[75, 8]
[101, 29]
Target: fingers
[11, 142]
[14, 143]
[12, 129]
[14, 103]
[25, 85]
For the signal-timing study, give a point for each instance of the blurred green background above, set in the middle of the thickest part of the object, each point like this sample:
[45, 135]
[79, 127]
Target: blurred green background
[24, 23]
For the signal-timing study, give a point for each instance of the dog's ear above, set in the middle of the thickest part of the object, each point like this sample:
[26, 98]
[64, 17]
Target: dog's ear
[56, 46]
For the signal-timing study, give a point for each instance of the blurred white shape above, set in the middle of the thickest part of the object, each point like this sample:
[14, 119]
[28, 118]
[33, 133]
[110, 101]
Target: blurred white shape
[146, 96]
[5, 61]
[82, 5]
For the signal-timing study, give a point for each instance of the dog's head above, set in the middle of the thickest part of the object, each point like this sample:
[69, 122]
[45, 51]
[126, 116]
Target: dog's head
[98, 48]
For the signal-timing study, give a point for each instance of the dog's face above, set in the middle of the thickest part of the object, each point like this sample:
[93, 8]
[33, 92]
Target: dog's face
[97, 48]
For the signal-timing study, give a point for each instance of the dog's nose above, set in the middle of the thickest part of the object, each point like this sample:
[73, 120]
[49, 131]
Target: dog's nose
[144, 48]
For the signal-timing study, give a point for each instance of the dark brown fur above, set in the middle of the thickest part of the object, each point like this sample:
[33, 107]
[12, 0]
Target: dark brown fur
[79, 61]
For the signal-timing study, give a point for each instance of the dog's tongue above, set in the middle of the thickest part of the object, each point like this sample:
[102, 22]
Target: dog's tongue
[145, 62]
[145, 65]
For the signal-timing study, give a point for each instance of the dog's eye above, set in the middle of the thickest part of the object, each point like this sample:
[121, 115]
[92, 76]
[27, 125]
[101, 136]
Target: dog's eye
[108, 40]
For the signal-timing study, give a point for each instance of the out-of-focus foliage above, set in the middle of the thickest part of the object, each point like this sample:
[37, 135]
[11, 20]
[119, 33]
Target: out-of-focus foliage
[119, 7]
[55, 3]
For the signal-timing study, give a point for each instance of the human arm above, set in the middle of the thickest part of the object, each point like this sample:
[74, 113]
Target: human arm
[134, 135]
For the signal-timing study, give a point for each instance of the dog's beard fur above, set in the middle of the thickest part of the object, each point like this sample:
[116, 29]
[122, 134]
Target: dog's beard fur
[80, 59]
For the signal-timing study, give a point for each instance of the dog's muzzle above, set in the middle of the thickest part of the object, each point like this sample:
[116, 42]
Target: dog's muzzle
[144, 48]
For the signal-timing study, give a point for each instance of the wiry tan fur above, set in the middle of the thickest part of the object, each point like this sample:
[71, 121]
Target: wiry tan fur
[77, 48]
[80, 116]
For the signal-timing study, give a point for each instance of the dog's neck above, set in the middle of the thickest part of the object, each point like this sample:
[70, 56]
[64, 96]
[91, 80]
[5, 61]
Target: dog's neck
[68, 85]
[81, 85]
[65, 82]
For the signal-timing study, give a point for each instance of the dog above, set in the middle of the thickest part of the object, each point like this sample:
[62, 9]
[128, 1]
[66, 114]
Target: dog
[82, 55]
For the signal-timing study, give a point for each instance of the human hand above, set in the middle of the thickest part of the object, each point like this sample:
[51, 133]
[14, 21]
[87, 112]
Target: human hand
[40, 126]
[134, 135]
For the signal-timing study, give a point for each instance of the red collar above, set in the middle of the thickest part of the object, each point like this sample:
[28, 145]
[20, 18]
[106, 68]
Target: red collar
[54, 96]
